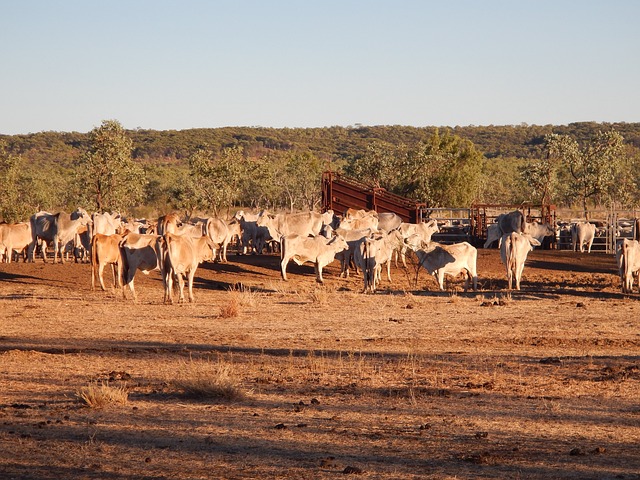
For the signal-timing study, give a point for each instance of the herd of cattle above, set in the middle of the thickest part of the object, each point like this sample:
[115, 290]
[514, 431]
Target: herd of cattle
[364, 240]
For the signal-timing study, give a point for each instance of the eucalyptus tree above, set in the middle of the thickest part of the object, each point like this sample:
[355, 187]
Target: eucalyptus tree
[217, 178]
[107, 177]
[593, 168]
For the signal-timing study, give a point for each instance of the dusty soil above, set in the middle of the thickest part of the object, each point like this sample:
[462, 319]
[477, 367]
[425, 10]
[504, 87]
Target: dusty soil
[407, 383]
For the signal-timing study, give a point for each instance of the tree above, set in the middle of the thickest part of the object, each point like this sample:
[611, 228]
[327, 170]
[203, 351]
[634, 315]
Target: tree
[108, 178]
[217, 179]
[593, 168]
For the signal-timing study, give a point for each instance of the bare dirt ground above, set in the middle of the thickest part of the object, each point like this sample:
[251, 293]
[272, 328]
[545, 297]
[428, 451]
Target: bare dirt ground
[406, 383]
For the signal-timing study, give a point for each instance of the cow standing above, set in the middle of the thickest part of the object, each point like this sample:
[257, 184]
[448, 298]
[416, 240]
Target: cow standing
[181, 256]
[514, 248]
[14, 237]
[59, 228]
[582, 233]
[105, 250]
[319, 250]
[439, 260]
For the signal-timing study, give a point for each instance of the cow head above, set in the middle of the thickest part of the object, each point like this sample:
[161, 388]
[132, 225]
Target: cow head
[82, 215]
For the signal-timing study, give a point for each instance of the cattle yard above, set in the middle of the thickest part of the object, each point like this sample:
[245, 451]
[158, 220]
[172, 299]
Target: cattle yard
[409, 382]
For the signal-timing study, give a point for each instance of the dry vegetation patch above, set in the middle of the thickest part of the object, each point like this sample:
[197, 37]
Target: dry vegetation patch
[310, 381]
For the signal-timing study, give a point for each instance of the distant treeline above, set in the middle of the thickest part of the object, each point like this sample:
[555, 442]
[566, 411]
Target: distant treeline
[216, 169]
[331, 143]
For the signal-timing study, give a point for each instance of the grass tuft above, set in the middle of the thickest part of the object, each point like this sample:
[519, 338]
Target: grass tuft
[103, 395]
[231, 309]
[209, 380]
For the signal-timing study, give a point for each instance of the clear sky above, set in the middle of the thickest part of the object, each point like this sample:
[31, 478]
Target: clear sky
[67, 65]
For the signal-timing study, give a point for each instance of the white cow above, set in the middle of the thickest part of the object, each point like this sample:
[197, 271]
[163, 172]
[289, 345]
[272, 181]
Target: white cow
[59, 229]
[353, 238]
[319, 250]
[388, 221]
[439, 260]
[514, 248]
[139, 252]
[628, 259]
[281, 224]
[181, 256]
[14, 237]
[582, 233]
[422, 232]
[372, 253]
[106, 223]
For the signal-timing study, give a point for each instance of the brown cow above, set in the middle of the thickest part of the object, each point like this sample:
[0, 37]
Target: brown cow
[105, 250]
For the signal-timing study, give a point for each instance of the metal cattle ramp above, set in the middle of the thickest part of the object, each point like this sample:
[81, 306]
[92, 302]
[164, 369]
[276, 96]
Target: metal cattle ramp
[340, 193]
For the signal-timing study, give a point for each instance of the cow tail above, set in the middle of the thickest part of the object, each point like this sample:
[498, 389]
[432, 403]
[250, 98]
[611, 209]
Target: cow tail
[512, 253]
[125, 263]
[366, 268]
[282, 247]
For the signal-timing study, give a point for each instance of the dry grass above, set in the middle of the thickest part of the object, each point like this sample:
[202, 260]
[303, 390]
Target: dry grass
[207, 380]
[231, 309]
[103, 395]
[414, 384]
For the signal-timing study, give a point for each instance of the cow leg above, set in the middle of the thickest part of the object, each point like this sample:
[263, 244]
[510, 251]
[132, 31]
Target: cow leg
[283, 268]
[181, 287]
[318, 269]
[192, 274]
[441, 279]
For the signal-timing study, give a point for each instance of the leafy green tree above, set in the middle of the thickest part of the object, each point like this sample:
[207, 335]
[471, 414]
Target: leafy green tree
[108, 178]
[593, 168]
[217, 179]
[379, 165]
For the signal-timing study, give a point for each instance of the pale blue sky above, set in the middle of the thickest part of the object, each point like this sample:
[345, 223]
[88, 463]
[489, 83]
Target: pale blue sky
[159, 64]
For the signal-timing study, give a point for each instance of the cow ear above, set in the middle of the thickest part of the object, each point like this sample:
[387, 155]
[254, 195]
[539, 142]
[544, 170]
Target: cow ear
[534, 242]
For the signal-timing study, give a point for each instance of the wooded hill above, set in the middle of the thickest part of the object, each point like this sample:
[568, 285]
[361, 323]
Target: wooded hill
[336, 143]
[221, 168]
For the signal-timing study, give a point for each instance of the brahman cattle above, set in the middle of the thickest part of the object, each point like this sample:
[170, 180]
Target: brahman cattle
[168, 223]
[318, 250]
[353, 238]
[59, 228]
[105, 250]
[14, 237]
[628, 259]
[582, 233]
[439, 260]
[372, 253]
[514, 248]
[139, 252]
[388, 221]
[106, 223]
[422, 232]
[281, 224]
[181, 256]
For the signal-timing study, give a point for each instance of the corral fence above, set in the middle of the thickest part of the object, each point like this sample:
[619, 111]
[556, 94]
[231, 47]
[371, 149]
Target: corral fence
[471, 224]
[454, 224]
[611, 225]
[340, 193]
[484, 214]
